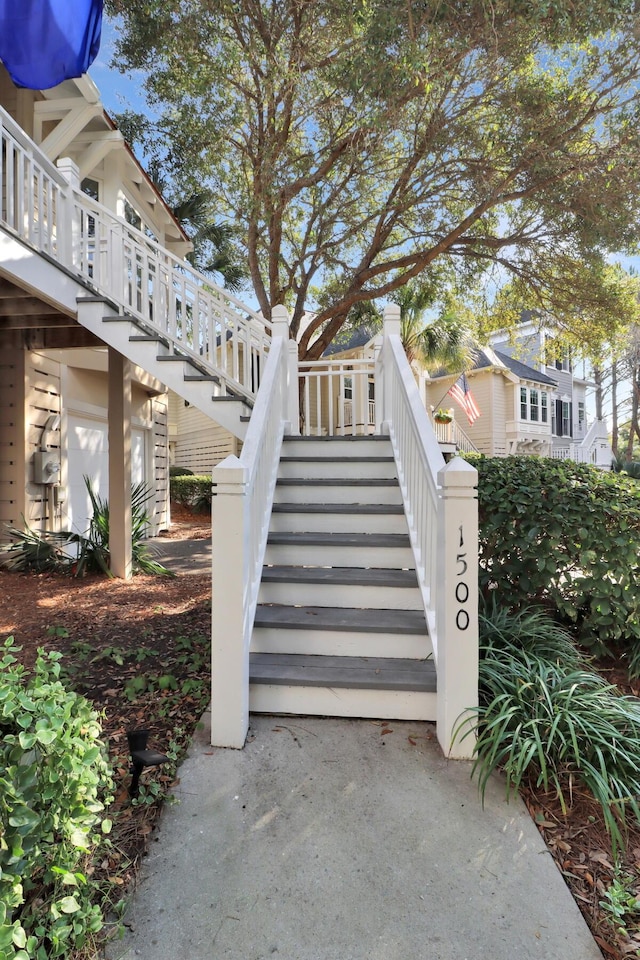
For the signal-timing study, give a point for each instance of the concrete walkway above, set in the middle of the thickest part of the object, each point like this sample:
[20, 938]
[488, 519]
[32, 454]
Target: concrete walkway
[182, 556]
[346, 840]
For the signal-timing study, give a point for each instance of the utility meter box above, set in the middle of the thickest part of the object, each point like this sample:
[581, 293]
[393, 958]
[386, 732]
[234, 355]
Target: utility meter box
[46, 467]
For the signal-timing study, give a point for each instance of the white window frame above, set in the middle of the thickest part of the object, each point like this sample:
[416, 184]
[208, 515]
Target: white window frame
[540, 405]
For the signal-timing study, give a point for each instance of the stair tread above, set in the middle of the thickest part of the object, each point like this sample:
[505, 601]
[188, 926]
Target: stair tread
[348, 508]
[359, 438]
[340, 618]
[149, 338]
[342, 539]
[353, 576]
[332, 482]
[355, 458]
[368, 673]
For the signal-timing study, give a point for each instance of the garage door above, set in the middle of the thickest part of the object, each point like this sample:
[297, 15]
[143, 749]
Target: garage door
[88, 453]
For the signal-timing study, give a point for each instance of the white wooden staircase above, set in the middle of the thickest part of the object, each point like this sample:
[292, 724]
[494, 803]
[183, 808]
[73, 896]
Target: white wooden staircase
[344, 567]
[340, 627]
[194, 379]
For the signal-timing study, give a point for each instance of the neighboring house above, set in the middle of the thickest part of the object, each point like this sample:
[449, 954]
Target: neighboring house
[572, 435]
[53, 373]
[514, 401]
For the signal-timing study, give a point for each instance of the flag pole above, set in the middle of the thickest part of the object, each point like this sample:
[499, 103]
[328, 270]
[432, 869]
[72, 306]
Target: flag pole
[447, 393]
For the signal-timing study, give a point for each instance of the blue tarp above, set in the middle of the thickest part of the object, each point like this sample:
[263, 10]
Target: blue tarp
[43, 42]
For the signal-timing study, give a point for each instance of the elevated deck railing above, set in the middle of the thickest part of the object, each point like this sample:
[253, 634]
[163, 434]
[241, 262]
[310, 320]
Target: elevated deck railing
[337, 397]
[145, 280]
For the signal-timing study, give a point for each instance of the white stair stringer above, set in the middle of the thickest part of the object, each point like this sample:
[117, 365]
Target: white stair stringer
[340, 628]
[186, 376]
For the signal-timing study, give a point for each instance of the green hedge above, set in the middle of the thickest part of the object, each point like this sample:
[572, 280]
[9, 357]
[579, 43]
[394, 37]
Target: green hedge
[565, 535]
[193, 492]
[54, 783]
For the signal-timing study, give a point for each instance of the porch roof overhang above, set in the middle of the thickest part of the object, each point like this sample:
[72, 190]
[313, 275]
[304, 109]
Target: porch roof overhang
[70, 120]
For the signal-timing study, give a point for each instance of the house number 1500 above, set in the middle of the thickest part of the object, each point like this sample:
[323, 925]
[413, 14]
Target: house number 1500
[462, 587]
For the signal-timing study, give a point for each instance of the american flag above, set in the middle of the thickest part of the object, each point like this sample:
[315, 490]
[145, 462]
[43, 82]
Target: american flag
[462, 394]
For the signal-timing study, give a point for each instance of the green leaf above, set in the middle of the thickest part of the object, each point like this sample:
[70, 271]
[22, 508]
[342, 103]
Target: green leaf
[68, 905]
[23, 817]
[45, 735]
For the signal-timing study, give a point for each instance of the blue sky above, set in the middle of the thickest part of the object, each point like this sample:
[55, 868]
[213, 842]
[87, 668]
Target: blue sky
[118, 91]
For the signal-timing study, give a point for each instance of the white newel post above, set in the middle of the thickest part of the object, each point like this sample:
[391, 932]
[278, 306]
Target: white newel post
[391, 327]
[378, 378]
[229, 645]
[291, 411]
[69, 238]
[457, 607]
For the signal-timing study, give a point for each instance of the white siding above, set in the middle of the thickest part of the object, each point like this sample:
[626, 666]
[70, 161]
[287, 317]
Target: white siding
[199, 442]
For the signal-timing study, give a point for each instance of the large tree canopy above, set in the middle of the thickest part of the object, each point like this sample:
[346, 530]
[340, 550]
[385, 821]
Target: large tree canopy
[361, 143]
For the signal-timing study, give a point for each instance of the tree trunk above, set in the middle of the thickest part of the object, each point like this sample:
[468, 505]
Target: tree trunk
[634, 429]
[597, 376]
[614, 408]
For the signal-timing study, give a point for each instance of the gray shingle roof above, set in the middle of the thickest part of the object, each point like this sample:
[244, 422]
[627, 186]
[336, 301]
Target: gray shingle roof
[524, 371]
[358, 339]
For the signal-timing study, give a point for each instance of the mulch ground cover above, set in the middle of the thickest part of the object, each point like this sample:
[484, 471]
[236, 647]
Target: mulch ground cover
[140, 652]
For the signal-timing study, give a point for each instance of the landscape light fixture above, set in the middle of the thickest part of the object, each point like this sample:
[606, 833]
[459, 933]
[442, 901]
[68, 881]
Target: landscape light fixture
[141, 757]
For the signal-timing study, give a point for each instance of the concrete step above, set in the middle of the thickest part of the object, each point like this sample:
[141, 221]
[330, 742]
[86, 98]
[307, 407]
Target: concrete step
[338, 468]
[341, 587]
[338, 518]
[337, 491]
[341, 631]
[384, 550]
[343, 686]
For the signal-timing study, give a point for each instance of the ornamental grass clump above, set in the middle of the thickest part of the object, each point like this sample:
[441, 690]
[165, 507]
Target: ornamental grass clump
[545, 717]
[55, 783]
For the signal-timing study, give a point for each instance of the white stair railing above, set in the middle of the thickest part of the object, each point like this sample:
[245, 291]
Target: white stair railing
[243, 490]
[461, 440]
[442, 514]
[143, 279]
[34, 195]
[594, 448]
[336, 397]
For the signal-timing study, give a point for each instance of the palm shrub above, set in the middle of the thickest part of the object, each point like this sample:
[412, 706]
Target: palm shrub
[86, 552]
[547, 718]
[93, 547]
[35, 550]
